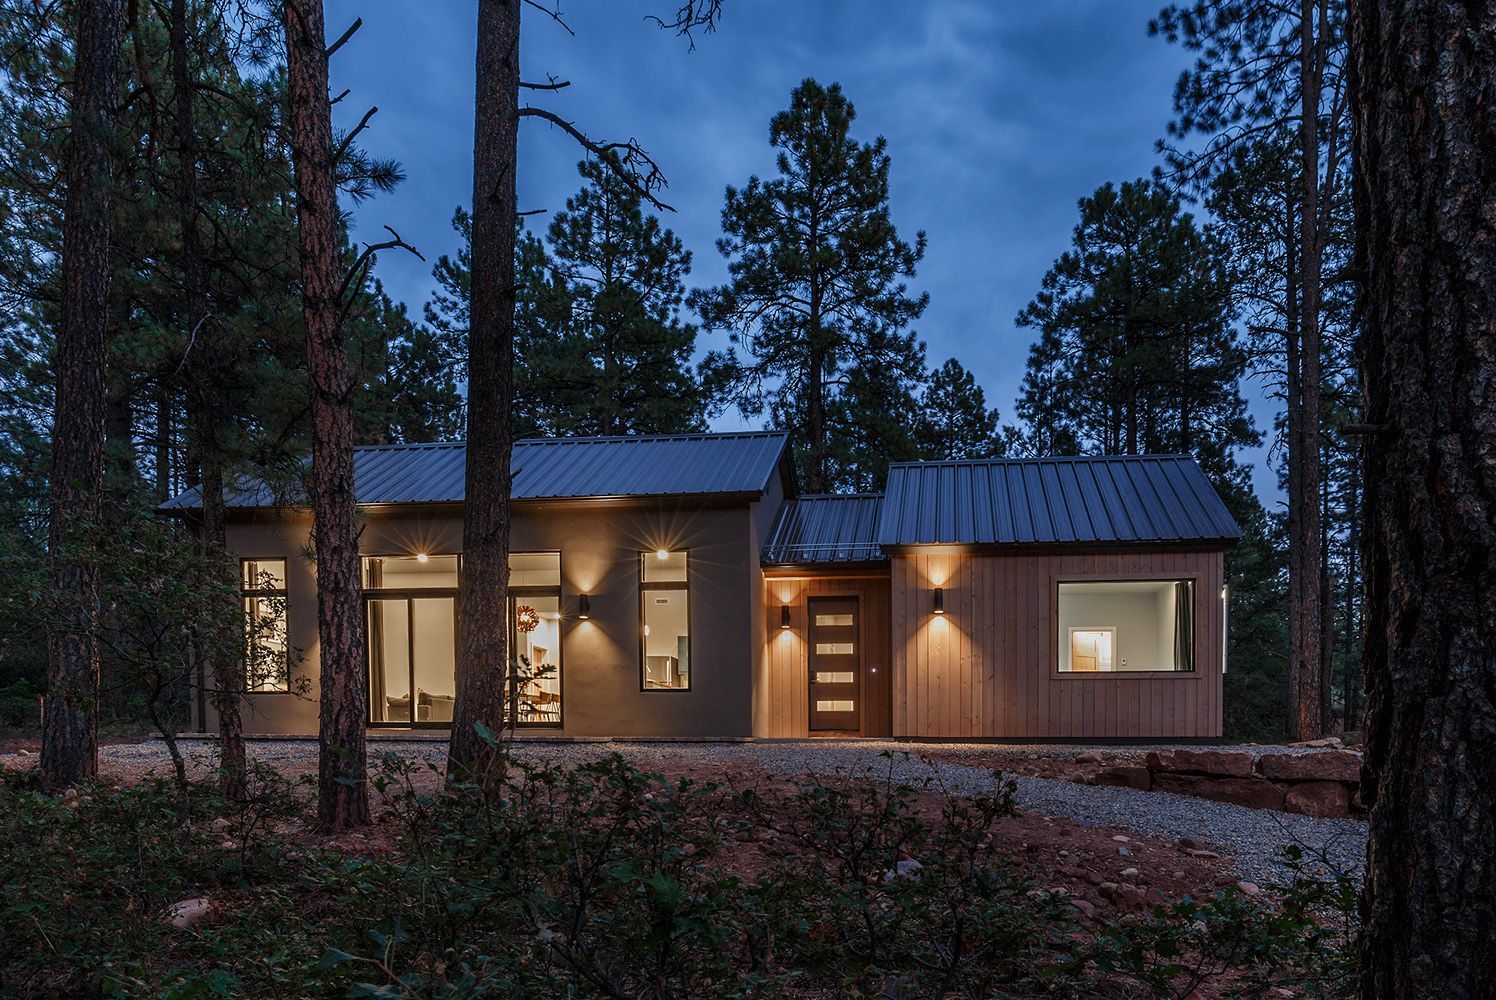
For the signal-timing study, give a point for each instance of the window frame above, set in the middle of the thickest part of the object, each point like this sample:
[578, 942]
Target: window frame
[645, 589]
[1194, 673]
[512, 632]
[248, 593]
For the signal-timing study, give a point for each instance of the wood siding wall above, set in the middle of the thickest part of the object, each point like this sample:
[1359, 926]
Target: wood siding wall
[987, 668]
[785, 710]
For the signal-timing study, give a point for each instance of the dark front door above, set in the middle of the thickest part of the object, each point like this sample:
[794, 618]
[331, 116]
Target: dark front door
[835, 664]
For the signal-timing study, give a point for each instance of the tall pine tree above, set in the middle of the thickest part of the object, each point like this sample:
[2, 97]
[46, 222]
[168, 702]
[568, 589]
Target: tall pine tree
[817, 307]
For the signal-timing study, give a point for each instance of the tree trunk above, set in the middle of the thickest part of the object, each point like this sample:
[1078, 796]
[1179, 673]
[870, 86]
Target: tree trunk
[1293, 416]
[1425, 183]
[483, 665]
[1326, 619]
[205, 416]
[342, 774]
[1352, 589]
[70, 722]
[1303, 447]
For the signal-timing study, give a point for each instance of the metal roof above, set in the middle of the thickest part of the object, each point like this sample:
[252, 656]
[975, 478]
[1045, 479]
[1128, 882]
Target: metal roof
[826, 528]
[1053, 501]
[552, 469]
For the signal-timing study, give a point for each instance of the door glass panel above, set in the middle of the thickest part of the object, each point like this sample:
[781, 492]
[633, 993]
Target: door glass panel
[833, 706]
[537, 643]
[833, 619]
[833, 677]
[435, 645]
[834, 648]
[389, 661]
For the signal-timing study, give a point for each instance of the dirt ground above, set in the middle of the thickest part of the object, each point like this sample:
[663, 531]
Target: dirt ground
[1105, 871]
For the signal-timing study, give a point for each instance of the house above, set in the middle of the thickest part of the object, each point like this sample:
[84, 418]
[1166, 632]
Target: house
[680, 586]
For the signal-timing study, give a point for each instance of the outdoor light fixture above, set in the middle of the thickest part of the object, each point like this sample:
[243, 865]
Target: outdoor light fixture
[421, 557]
[662, 554]
[784, 616]
[584, 607]
[940, 600]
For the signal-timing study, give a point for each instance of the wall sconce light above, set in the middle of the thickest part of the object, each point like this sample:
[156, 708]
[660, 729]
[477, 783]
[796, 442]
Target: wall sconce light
[421, 557]
[940, 600]
[584, 607]
[784, 616]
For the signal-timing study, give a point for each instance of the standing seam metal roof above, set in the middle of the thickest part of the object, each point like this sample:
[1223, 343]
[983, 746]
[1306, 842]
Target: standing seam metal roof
[1053, 501]
[552, 469]
[839, 527]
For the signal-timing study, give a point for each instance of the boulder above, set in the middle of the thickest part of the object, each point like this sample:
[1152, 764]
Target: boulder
[1319, 798]
[1321, 765]
[1226, 763]
[1124, 777]
[1256, 792]
[1088, 757]
[186, 912]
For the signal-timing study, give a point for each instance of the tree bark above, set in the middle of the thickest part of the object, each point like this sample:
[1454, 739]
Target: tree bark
[70, 721]
[342, 773]
[1425, 182]
[483, 664]
[205, 414]
[1305, 607]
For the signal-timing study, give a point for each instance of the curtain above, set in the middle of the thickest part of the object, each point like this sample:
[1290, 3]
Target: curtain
[1184, 625]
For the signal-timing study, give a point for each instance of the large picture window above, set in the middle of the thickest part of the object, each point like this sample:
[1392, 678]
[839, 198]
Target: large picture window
[410, 604]
[267, 661]
[665, 621]
[1123, 626]
[535, 637]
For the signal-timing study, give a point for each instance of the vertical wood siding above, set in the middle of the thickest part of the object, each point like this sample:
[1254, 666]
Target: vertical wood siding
[787, 713]
[987, 667]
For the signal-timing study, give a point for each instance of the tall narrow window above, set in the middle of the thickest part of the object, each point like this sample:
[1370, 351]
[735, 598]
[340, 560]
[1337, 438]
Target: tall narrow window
[267, 665]
[535, 637]
[665, 621]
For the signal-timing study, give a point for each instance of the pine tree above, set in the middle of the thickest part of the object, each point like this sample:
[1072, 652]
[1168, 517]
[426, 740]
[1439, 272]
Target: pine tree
[1137, 352]
[954, 420]
[818, 284]
[619, 358]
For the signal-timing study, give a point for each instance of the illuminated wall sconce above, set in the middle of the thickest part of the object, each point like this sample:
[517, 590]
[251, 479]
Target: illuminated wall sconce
[584, 607]
[940, 600]
[784, 616]
[421, 557]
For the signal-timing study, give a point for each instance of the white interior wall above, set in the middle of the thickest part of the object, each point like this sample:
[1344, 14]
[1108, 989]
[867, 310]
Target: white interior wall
[1138, 615]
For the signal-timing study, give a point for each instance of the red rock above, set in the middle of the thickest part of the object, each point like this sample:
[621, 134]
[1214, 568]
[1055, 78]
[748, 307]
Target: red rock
[1124, 777]
[1088, 757]
[1319, 798]
[1227, 763]
[1323, 765]
[1258, 793]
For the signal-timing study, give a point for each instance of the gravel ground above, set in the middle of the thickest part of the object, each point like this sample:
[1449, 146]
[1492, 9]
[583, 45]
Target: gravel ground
[1251, 837]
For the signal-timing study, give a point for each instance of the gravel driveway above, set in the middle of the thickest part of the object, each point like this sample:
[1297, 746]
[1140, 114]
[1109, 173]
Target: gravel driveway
[1252, 837]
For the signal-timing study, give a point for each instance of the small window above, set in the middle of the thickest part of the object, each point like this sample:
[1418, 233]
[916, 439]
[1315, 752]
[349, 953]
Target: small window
[833, 649]
[835, 706]
[833, 619]
[535, 569]
[421, 571]
[267, 664]
[835, 677]
[1110, 627]
[665, 621]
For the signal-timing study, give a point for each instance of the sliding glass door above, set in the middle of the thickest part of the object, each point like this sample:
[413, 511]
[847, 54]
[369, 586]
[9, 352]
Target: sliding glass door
[412, 659]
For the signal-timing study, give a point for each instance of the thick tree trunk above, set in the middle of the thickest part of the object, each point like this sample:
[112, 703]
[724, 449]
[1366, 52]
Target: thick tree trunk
[1305, 605]
[70, 723]
[206, 414]
[483, 663]
[342, 773]
[1425, 183]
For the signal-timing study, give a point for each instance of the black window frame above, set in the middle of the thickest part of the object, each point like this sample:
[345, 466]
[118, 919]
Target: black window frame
[645, 589]
[512, 631]
[248, 593]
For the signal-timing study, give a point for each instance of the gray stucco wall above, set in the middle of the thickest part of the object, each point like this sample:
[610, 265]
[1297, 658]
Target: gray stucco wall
[599, 545]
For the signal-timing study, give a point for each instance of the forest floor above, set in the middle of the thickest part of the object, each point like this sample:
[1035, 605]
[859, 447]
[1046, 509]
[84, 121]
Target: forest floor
[1113, 848]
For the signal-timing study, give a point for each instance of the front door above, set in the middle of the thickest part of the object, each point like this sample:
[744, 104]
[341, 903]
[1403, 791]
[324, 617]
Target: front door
[835, 665]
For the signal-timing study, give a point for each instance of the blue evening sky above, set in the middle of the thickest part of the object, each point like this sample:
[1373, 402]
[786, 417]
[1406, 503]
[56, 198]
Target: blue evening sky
[998, 116]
